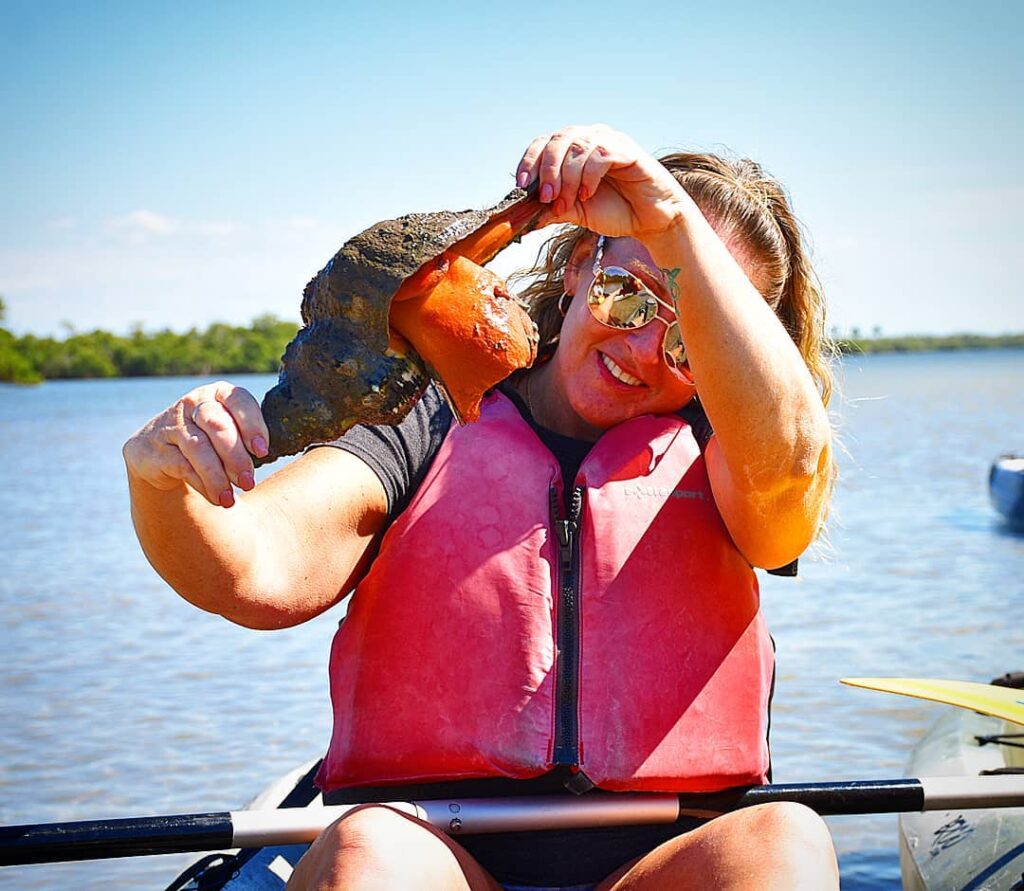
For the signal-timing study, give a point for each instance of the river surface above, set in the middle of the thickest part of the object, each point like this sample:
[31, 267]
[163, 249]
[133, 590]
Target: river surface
[118, 698]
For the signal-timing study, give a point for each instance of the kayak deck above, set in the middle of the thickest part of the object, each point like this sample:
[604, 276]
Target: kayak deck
[257, 869]
[975, 849]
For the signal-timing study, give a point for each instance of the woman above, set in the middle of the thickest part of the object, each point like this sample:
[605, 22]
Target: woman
[583, 547]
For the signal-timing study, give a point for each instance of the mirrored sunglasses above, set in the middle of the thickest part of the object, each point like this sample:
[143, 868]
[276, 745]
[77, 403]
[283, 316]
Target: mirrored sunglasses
[618, 299]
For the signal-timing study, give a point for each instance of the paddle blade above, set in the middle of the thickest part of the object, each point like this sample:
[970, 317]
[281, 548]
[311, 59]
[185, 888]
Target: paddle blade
[1000, 702]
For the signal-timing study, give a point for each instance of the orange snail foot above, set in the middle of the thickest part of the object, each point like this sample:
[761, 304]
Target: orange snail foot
[460, 318]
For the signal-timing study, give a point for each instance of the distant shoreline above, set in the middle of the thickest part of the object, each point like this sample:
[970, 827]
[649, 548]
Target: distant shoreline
[929, 343]
[256, 349]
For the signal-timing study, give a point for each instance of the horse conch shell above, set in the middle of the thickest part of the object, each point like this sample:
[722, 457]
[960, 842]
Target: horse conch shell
[403, 301]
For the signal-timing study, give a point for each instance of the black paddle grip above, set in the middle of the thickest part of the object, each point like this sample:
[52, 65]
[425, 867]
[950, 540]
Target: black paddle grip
[100, 839]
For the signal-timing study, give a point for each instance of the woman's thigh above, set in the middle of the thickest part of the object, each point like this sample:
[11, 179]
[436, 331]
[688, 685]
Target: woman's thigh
[783, 846]
[375, 847]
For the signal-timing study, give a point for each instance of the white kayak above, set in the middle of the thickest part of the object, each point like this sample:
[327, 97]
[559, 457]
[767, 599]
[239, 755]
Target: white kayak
[952, 849]
[258, 869]
[966, 850]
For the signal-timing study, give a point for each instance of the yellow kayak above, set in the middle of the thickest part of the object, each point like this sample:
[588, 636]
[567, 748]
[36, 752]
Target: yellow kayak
[999, 702]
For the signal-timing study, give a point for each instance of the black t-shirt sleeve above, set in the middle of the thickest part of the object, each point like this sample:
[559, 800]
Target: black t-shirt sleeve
[401, 455]
[693, 414]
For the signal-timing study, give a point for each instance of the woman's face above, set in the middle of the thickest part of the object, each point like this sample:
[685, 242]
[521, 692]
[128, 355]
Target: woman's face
[603, 376]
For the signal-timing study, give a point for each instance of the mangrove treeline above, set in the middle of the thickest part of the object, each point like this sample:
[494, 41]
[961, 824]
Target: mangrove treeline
[915, 343]
[221, 349]
[216, 351]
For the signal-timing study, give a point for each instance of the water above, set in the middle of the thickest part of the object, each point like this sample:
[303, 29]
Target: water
[118, 698]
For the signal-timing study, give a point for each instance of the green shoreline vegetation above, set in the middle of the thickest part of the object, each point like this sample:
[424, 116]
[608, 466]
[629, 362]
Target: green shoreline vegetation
[217, 350]
[930, 343]
[222, 349]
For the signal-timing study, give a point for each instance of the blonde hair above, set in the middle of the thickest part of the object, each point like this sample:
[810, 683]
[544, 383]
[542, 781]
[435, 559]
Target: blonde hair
[743, 203]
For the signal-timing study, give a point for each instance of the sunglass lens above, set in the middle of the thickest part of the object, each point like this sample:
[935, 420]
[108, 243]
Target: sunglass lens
[619, 299]
[675, 352]
[624, 298]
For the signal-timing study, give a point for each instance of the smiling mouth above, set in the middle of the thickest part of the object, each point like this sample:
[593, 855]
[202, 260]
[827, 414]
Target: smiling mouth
[618, 373]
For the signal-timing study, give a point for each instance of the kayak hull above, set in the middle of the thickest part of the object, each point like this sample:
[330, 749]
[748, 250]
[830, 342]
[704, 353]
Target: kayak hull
[1006, 489]
[976, 849]
[261, 869]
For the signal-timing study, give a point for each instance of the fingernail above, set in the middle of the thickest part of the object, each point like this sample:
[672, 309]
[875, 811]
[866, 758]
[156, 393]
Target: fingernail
[522, 179]
[547, 192]
[559, 207]
[259, 447]
[227, 498]
[246, 480]
[583, 194]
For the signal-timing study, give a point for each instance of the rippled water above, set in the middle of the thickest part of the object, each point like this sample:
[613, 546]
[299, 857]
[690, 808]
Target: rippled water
[118, 698]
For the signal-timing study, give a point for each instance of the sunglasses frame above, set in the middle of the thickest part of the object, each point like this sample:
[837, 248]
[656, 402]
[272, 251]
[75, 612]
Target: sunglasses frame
[651, 299]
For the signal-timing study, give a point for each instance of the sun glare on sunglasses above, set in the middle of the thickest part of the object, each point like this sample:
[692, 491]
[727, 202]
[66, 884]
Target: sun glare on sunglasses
[619, 299]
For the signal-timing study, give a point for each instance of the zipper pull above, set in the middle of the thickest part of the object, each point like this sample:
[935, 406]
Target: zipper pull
[560, 524]
[563, 529]
[567, 528]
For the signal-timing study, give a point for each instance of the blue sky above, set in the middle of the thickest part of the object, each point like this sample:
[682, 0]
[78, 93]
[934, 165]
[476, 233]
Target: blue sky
[173, 164]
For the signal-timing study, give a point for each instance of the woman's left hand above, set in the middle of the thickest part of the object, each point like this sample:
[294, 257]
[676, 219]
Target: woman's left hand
[599, 178]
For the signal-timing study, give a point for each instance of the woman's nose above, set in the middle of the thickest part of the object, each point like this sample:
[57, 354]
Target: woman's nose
[645, 344]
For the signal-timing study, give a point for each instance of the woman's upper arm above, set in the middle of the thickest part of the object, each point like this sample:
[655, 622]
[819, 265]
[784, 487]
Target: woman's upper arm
[773, 524]
[325, 511]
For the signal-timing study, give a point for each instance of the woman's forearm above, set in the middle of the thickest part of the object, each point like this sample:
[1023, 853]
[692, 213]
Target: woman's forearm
[759, 396]
[770, 461]
[283, 553]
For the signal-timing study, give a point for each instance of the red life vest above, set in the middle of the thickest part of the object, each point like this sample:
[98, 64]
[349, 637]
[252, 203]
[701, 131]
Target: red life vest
[490, 638]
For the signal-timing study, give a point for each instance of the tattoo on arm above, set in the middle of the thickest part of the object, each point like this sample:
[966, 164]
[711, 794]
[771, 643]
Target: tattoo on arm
[673, 286]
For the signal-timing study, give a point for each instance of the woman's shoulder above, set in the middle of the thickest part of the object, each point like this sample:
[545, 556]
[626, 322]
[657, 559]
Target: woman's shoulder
[401, 455]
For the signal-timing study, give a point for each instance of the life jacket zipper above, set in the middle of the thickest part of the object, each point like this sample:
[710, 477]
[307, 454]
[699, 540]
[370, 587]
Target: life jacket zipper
[567, 633]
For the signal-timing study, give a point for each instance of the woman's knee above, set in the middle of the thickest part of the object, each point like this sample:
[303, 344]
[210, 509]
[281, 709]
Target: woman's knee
[788, 818]
[371, 828]
[771, 846]
[794, 837]
[376, 847]
[365, 842]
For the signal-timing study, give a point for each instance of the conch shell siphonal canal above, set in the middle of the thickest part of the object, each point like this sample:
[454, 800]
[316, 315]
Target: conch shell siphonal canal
[402, 302]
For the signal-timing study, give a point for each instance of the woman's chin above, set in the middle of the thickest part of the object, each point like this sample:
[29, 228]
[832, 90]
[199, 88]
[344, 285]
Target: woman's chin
[601, 412]
[602, 407]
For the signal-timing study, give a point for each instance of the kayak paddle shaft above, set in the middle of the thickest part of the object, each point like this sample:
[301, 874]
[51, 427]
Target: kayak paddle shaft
[131, 837]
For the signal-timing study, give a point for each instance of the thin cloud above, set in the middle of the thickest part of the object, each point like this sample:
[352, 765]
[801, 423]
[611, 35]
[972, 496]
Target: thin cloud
[214, 228]
[142, 224]
[146, 222]
[193, 271]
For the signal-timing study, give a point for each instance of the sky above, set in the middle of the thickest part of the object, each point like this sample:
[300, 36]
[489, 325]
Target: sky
[169, 165]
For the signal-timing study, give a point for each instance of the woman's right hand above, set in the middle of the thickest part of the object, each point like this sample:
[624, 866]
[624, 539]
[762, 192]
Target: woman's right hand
[204, 440]
[598, 178]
